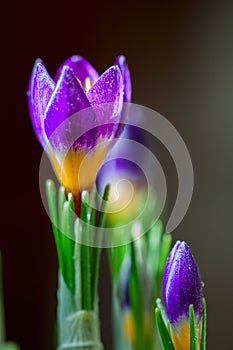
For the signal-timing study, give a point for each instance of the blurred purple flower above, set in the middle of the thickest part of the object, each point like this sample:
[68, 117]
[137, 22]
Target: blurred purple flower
[77, 87]
[182, 287]
[125, 169]
[128, 324]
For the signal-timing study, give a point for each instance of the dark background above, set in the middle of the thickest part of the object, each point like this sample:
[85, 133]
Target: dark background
[181, 58]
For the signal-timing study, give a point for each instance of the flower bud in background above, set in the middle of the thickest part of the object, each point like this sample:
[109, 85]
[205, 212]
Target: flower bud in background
[127, 190]
[182, 287]
[124, 296]
[126, 169]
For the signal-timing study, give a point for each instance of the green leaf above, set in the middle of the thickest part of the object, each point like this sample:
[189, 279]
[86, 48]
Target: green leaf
[102, 217]
[164, 251]
[154, 239]
[120, 341]
[68, 242]
[116, 256]
[51, 197]
[203, 326]
[85, 256]
[162, 310]
[2, 318]
[164, 334]
[9, 346]
[96, 251]
[136, 296]
[193, 335]
[78, 267]
[61, 201]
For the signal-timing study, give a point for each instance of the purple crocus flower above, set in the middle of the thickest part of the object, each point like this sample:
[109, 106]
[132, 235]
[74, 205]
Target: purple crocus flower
[53, 105]
[182, 287]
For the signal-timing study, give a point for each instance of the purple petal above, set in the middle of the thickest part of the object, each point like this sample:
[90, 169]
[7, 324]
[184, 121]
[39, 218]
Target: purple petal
[67, 99]
[40, 90]
[169, 262]
[108, 88]
[81, 68]
[106, 96]
[120, 61]
[117, 169]
[181, 284]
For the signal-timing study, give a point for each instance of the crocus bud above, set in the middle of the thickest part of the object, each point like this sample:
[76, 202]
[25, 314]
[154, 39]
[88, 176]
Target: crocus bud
[182, 287]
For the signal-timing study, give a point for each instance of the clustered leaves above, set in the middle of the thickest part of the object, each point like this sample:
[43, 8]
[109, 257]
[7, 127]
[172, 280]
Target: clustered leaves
[136, 273]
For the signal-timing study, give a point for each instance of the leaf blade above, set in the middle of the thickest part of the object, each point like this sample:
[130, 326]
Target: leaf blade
[163, 332]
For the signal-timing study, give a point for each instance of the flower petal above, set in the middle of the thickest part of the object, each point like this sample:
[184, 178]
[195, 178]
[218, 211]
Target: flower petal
[40, 90]
[81, 68]
[167, 271]
[106, 96]
[181, 284]
[120, 61]
[67, 99]
[108, 88]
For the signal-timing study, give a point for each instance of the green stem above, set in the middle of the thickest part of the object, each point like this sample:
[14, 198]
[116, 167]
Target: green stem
[77, 329]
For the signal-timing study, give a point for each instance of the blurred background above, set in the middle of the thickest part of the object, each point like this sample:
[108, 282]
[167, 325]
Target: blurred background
[180, 54]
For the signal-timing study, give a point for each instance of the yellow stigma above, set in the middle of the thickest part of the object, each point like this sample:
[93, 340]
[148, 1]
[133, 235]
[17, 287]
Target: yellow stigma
[128, 327]
[181, 335]
[87, 85]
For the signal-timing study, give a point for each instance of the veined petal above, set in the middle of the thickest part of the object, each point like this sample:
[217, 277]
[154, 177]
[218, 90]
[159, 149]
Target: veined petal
[108, 88]
[40, 90]
[166, 275]
[106, 97]
[120, 61]
[67, 99]
[81, 68]
[181, 334]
